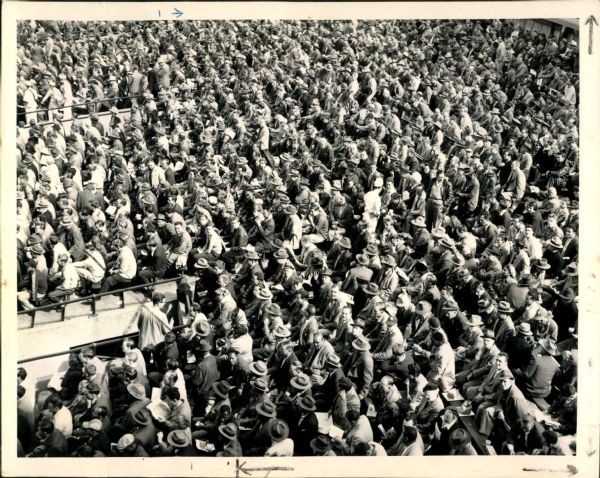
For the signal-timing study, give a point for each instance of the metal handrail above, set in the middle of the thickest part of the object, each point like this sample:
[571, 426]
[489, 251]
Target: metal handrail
[84, 104]
[94, 298]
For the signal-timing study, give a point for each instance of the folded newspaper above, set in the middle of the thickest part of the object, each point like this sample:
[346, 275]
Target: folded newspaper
[336, 432]
[205, 446]
[325, 422]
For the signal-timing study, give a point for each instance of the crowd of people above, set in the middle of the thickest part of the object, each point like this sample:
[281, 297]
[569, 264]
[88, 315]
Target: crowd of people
[373, 226]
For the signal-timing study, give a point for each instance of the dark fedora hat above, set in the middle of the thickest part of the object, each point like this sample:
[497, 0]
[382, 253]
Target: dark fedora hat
[142, 417]
[229, 431]
[307, 403]
[345, 243]
[360, 343]
[371, 288]
[321, 444]
[301, 382]
[178, 439]
[362, 259]
[258, 368]
[504, 307]
[459, 438]
[567, 295]
[267, 409]
[542, 264]
[261, 384]
[279, 430]
[222, 388]
[204, 346]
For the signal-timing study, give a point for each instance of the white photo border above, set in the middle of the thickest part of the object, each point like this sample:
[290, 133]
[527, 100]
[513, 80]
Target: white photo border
[585, 464]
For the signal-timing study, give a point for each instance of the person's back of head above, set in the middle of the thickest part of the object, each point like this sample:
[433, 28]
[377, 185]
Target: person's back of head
[46, 426]
[409, 435]
[171, 393]
[55, 401]
[362, 449]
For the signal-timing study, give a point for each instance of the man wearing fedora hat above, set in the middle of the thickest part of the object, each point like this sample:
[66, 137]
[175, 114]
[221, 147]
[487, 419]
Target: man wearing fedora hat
[391, 337]
[460, 443]
[421, 236]
[359, 366]
[474, 371]
[359, 274]
[321, 446]
[566, 313]
[228, 434]
[536, 378]
[281, 444]
[303, 425]
[34, 286]
[471, 341]
[205, 374]
[339, 256]
[144, 429]
[130, 447]
[257, 416]
[418, 327]
[503, 325]
[510, 406]
[554, 257]
[178, 443]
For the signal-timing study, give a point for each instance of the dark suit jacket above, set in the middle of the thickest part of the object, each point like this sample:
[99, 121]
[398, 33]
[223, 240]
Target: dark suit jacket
[302, 432]
[555, 260]
[571, 250]
[540, 372]
[356, 276]
[359, 368]
[280, 370]
[342, 214]
[56, 444]
[519, 352]
[157, 262]
[421, 241]
[340, 261]
[513, 404]
[239, 238]
[205, 374]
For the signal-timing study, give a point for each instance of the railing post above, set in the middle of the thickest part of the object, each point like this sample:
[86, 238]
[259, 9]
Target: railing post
[122, 294]
[33, 318]
[63, 309]
[94, 314]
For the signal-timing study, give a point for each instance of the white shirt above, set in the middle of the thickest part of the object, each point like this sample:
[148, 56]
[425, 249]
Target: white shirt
[70, 277]
[534, 248]
[373, 202]
[243, 345]
[281, 448]
[127, 263]
[94, 264]
[63, 421]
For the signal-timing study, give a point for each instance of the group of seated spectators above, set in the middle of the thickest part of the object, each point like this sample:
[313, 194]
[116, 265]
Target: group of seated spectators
[372, 228]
